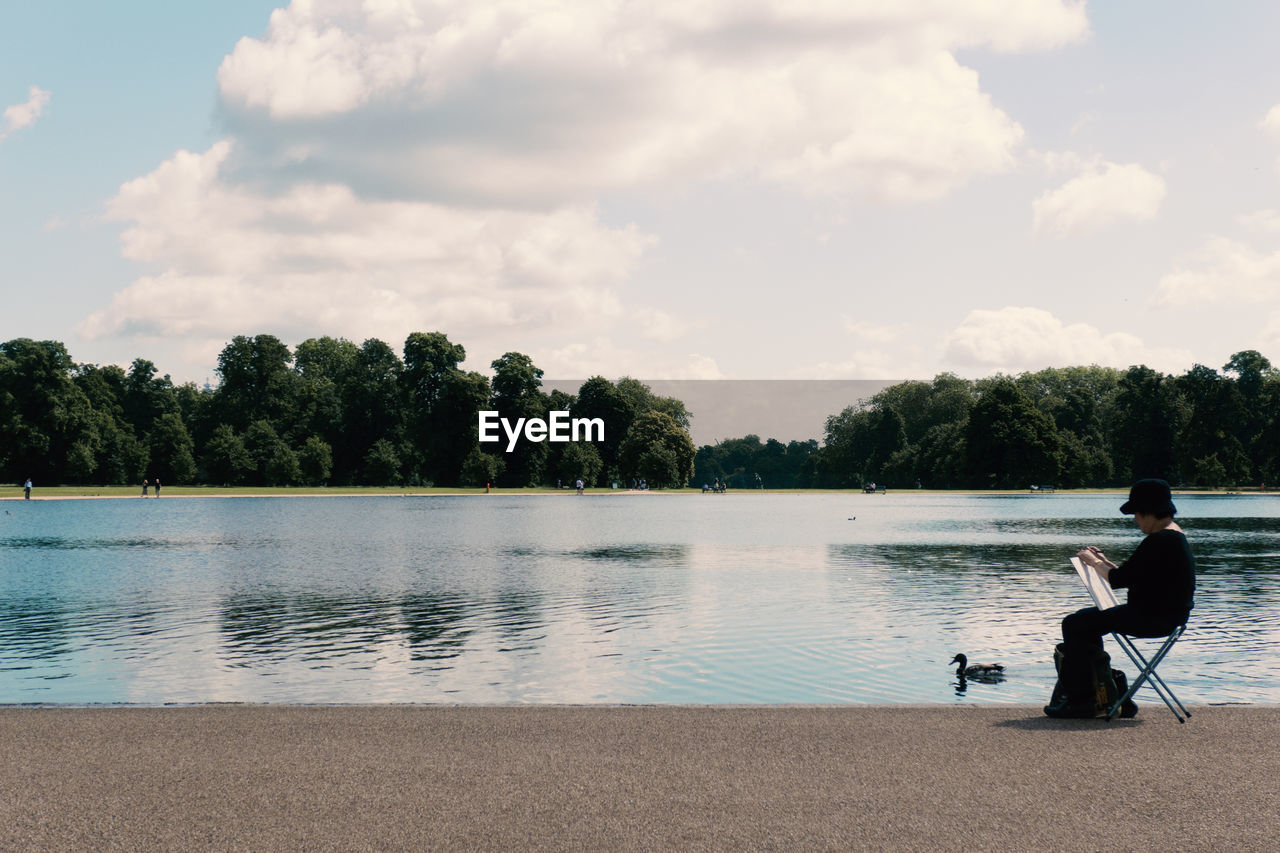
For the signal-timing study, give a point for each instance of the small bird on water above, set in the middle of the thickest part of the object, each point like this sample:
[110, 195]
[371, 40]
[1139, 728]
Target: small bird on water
[976, 670]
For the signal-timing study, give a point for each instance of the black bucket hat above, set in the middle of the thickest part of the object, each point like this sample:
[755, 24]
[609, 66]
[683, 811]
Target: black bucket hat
[1149, 496]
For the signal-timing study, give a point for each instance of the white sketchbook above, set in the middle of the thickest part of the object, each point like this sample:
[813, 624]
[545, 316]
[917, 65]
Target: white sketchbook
[1099, 590]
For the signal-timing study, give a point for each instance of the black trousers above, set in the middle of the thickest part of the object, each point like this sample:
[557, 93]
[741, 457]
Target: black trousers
[1087, 627]
[1082, 634]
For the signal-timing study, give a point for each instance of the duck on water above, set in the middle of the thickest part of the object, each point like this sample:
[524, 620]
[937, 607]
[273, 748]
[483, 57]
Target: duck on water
[977, 670]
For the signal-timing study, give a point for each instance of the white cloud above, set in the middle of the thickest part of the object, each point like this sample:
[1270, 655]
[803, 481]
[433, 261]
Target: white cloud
[614, 357]
[398, 165]
[1014, 339]
[317, 257]
[1222, 270]
[1271, 122]
[23, 115]
[1261, 221]
[865, 364]
[506, 100]
[1098, 198]
[656, 325]
[900, 358]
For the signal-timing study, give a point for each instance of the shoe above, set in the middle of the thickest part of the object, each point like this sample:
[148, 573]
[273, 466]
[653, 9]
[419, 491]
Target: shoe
[1067, 710]
[1128, 709]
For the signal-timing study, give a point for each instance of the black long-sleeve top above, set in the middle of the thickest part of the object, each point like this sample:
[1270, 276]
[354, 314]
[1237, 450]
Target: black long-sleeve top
[1160, 576]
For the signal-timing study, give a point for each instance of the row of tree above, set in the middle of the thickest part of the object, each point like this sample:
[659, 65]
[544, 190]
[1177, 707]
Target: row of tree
[1069, 427]
[326, 412]
[331, 412]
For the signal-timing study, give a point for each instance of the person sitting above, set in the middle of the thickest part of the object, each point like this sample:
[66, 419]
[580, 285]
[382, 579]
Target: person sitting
[1161, 578]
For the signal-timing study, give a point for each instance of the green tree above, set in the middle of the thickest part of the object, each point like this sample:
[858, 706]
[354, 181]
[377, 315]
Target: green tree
[146, 398]
[942, 455]
[119, 457]
[43, 413]
[1266, 445]
[1216, 412]
[1149, 412]
[739, 461]
[888, 440]
[731, 461]
[516, 394]
[81, 461]
[600, 398]
[225, 459]
[578, 459]
[196, 407]
[315, 461]
[172, 460]
[846, 447]
[327, 369]
[1253, 376]
[515, 377]
[283, 468]
[382, 464]
[374, 405]
[480, 468]
[1010, 443]
[262, 444]
[257, 383]
[1084, 464]
[658, 467]
[442, 405]
[652, 438]
[642, 399]
[1209, 471]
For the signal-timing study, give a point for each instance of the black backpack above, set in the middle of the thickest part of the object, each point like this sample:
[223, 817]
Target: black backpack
[1108, 684]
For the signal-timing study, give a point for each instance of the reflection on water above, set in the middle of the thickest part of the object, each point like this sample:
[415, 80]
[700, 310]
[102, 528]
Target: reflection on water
[608, 599]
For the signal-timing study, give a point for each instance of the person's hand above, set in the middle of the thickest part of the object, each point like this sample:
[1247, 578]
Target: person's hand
[1094, 558]
[1102, 558]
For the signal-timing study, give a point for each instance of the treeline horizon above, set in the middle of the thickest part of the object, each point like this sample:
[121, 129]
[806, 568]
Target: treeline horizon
[329, 412]
[1072, 427]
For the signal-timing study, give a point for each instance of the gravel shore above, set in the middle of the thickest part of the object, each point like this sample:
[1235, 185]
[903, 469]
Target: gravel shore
[244, 777]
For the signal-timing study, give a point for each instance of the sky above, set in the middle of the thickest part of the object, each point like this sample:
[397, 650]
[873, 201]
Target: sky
[701, 189]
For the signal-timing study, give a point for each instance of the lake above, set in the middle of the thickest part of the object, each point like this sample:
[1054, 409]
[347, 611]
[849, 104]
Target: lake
[608, 598]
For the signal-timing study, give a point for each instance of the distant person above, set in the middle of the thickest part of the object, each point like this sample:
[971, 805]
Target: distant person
[145, 485]
[157, 487]
[579, 485]
[1161, 578]
[26, 490]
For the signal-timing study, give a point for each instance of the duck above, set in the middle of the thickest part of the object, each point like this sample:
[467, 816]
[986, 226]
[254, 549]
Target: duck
[976, 670]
